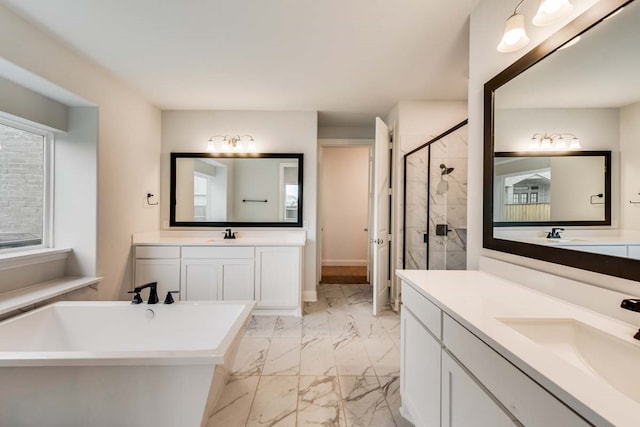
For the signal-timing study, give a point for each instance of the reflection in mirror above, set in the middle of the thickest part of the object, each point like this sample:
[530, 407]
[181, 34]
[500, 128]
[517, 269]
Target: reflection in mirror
[227, 189]
[589, 90]
[552, 188]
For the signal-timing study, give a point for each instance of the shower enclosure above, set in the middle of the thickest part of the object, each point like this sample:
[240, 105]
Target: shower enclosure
[435, 203]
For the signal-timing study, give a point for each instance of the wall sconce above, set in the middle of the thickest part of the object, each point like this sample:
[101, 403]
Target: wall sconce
[515, 35]
[231, 143]
[554, 142]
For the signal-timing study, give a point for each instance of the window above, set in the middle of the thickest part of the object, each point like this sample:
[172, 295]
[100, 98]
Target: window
[200, 196]
[534, 197]
[524, 198]
[24, 186]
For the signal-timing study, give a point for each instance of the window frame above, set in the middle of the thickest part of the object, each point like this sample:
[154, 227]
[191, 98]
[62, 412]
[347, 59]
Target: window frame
[48, 139]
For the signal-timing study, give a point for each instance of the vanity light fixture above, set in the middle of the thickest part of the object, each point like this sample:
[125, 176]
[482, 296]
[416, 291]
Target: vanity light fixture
[231, 143]
[549, 12]
[554, 142]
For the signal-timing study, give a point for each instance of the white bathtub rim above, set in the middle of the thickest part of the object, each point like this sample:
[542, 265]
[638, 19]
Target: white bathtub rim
[129, 358]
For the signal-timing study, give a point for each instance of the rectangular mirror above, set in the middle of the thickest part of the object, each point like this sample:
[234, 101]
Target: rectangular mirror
[241, 190]
[567, 188]
[576, 92]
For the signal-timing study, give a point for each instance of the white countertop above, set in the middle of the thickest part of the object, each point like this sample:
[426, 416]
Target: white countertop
[580, 241]
[571, 237]
[215, 238]
[477, 299]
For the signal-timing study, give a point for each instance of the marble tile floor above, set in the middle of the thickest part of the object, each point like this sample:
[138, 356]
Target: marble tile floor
[338, 365]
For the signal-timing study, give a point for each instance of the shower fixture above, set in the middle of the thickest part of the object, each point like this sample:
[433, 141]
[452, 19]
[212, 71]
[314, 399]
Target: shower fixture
[444, 170]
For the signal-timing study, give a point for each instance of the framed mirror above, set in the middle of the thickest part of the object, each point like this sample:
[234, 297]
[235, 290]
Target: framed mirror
[236, 190]
[551, 188]
[581, 83]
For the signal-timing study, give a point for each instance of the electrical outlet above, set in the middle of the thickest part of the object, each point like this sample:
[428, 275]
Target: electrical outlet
[165, 224]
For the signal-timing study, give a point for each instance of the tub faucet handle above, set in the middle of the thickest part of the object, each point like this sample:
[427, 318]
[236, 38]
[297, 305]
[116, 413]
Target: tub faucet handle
[169, 298]
[137, 299]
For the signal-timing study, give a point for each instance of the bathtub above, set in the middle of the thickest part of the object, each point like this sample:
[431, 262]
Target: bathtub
[117, 364]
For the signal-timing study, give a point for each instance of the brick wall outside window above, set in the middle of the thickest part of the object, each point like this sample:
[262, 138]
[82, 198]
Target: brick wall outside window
[21, 181]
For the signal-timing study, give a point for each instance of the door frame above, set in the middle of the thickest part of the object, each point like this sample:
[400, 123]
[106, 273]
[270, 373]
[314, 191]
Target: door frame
[338, 142]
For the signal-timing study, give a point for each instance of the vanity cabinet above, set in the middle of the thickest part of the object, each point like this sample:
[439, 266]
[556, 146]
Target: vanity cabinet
[158, 264]
[270, 275]
[634, 251]
[449, 377]
[217, 273]
[278, 276]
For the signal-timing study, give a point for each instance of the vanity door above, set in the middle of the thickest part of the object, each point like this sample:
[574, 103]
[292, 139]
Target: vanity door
[199, 278]
[235, 277]
[465, 403]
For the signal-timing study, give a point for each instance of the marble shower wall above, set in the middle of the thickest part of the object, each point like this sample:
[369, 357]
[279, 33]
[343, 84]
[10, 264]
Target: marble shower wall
[447, 197]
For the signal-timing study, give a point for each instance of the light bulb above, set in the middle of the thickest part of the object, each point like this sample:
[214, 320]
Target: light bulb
[515, 36]
[551, 12]
[575, 144]
[560, 144]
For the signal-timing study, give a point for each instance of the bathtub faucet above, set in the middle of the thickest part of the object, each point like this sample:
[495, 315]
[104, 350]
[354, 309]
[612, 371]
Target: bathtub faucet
[153, 293]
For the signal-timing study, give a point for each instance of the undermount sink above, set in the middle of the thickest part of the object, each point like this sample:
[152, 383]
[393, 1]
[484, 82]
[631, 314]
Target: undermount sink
[594, 351]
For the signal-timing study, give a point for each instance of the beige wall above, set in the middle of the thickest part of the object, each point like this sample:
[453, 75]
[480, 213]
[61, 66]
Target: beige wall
[345, 205]
[128, 144]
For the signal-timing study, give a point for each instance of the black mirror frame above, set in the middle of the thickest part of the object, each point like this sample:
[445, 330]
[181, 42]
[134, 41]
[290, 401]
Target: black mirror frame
[607, 187]
[172, 207]
[625, 268]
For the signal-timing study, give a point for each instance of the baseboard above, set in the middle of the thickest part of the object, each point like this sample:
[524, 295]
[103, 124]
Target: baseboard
[343, 262]
[309, 296]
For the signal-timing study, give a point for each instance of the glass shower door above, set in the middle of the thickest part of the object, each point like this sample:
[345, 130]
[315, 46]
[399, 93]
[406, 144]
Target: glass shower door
[436, 204]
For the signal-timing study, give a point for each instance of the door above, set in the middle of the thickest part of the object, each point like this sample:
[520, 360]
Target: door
[200, 279]
[381, 217]
[278, 276]
[419, 371]
[236, 279]
[465, 403]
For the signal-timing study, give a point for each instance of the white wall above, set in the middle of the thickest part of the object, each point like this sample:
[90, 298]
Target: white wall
[76, 184]
[128, 147]
[345, 205]
[486, 27]
[630, 153]
[274, 132]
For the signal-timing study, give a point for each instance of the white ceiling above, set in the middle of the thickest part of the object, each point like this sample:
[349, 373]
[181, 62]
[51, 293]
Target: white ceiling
[348, 59]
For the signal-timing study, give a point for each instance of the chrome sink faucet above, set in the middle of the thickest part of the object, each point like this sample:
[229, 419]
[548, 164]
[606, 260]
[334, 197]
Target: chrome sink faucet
[555, 233]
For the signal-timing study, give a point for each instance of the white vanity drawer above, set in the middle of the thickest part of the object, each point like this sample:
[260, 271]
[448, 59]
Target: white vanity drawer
[218, 252]
[525, 399]
[425, 311]
[157, 252]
